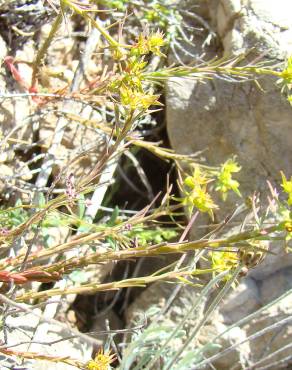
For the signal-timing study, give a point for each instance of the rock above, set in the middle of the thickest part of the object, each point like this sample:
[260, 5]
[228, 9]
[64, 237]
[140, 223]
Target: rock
[260, 23]
[263, 342]
[6, 107]
[105, 321]
[275, 285]
[272, 263]
[216, 326]
[149, 304]
[244, 300]
[226, 120]
[54, 235]
[77, 139]
[157, 295]
[60, 52]
[3, 49]
[6, 175]
[272, 340]
[24, 326]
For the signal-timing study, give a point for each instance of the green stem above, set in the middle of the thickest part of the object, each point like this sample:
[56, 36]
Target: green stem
[112, 42]
[42, 51]
[93, 287]
[155, 250]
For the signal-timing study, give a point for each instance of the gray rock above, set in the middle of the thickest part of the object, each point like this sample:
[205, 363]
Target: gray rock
[256, 23]
[223, 120]
[275, 285]
[272, 263]
[241, 354]
[157, 295]
[23, 328]
[274, 340]
[244, 300]
[3, 49]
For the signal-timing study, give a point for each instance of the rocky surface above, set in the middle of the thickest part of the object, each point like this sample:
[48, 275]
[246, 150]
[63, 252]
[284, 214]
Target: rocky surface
[21, 331]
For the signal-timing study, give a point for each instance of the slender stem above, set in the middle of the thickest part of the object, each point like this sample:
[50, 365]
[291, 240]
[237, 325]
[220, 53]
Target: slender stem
[42, 51]
[92, 287]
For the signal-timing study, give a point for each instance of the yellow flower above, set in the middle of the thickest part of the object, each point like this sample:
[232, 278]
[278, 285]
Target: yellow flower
[101, 361]
[149, 43]
[225, 182]
[288, 226]
[136, 99]
[156, 42]
[224, 261]
[286, 74]
[195, 191]
[197, 178]
[202, 200]
[287, 187]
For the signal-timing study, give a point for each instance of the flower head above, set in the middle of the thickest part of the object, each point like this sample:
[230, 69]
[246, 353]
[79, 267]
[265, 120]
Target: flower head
[202, 200]
[224, 261]
[197, 178]
[149, 44]
[138, 100]
[288, 226]
[196, 194]
[101, 361]
[225, 182]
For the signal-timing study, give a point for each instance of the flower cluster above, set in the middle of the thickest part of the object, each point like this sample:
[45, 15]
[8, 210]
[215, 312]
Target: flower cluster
[149, 44]
[224, 260]
[196, 195]
[136, 99]
[225, 182]
[129, 84]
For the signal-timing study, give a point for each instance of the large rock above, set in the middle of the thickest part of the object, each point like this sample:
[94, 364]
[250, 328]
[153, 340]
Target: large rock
[246, 24]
